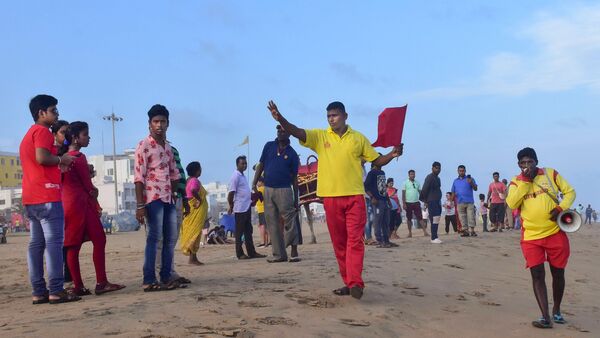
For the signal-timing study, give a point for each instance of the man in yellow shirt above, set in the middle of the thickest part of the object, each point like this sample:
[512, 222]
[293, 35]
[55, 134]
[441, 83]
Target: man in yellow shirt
[340, 150]
[535, 193]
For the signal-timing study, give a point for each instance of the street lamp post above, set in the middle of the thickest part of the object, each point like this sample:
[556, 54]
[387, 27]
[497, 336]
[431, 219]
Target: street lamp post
[113, 118]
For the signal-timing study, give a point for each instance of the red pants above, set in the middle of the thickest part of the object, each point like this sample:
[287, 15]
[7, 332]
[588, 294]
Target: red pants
[346, 218]
[98, 237]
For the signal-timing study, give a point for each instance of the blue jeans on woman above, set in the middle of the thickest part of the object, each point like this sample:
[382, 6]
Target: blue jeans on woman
[161, 224]
[47, 224]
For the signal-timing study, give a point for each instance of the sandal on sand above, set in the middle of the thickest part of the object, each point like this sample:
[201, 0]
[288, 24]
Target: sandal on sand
[542, 323]
[108, 287]
[155, 287]
[64, 297]
[294, 259]
[42, 300]
[80, 291]
[183, 280]
[344, 291]
[176, 284]
[558, 318]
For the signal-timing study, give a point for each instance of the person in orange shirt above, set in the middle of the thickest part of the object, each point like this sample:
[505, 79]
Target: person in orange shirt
[340, 184]
[535, 193]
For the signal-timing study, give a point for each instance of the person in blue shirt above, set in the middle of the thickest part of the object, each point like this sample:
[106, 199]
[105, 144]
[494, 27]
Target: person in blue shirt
[376, 189]
[463, 188]
[280, 162]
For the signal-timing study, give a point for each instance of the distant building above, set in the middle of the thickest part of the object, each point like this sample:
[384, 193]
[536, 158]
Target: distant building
[105, 178]
[10, 198]
[11, 173]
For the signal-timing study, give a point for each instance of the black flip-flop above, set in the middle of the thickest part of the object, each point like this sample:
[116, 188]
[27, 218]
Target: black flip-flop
[155, 287]
[542, 324]
[43, 300]
[343, 291]
[183, 280]
[64, 297]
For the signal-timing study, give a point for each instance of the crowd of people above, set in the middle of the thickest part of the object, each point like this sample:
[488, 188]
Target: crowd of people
[61, 203]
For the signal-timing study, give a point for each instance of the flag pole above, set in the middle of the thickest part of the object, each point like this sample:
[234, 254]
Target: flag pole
[249, 163]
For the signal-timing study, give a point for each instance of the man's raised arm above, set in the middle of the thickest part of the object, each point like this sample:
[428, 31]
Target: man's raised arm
[298, 133]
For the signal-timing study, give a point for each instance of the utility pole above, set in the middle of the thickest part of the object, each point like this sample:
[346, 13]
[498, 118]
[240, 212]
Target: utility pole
[113, 118]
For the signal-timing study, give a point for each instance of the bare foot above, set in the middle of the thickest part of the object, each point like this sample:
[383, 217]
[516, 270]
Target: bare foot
[409, 236]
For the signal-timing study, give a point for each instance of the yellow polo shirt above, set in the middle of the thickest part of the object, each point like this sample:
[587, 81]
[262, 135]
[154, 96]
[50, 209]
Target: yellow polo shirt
[339, 172]
[536, 205]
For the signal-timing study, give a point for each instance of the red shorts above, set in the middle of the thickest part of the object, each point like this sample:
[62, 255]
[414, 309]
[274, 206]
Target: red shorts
[554, 249]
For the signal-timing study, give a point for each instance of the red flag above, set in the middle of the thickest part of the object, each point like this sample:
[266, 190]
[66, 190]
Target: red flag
[390, 126]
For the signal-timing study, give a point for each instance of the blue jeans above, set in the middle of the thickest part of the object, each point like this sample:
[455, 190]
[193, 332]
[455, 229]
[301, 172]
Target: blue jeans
[161, 224]
[435, 211]
[47, 234]
[368, 229]
[381, 221]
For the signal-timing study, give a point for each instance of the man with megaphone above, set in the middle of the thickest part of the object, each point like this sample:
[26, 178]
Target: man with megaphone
[535, 193]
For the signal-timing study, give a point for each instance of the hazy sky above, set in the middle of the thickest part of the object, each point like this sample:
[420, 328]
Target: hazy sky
[481, 80]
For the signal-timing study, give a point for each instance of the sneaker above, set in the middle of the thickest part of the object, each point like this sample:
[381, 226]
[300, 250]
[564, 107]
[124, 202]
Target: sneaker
[436, 241]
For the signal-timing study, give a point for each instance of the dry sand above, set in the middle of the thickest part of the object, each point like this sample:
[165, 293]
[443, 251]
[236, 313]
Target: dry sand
[473, 287]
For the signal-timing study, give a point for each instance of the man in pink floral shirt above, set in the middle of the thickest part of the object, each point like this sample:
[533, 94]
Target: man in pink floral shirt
[155, 176]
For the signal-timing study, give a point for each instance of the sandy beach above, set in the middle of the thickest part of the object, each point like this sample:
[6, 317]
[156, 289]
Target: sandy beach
[473, 287]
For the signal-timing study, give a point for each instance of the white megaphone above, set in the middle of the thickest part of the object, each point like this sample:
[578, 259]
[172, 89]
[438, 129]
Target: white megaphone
[569, 220]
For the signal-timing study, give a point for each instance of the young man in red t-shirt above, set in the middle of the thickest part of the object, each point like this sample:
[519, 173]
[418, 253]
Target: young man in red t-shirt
[42, 201]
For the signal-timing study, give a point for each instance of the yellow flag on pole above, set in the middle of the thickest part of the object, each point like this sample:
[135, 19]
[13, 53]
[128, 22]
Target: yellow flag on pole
[246, 141]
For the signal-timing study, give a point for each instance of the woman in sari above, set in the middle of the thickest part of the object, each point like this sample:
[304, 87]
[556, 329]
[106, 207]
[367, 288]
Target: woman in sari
[82, 221]
[191, 229]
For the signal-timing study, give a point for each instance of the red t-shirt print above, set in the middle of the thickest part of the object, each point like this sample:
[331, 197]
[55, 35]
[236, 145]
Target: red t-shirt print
[41, 184]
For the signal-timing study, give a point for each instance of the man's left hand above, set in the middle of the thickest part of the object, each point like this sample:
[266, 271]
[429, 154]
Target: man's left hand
[554, 214]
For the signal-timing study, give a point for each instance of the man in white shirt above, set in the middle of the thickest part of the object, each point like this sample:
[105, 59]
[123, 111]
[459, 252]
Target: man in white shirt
[240, 201]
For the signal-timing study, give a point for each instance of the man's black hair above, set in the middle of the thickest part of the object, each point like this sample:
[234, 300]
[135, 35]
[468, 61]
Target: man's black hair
[527, 152]
[158, 109]
[57, 125]
[462, 166]
[411, 171]
[192, 168]
[436, 164]
[41, 102]
[336, 105]
[239, 158]
[481, 196]
[496, 173]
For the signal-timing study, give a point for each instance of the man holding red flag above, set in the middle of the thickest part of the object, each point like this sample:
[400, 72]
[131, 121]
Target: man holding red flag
[340, 150]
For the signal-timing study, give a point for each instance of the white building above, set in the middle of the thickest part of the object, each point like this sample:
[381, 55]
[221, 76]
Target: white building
[105, 181]
[10, 197]
[217, 192]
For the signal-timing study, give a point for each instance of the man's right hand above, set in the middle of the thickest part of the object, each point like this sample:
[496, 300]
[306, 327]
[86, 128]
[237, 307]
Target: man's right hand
[404, 206]
[274, 111]
[140, 215]
[374, 201]
[230, 211]
[66, 160]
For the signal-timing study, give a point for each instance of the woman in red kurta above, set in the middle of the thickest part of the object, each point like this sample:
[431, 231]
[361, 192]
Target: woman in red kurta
[82, 221]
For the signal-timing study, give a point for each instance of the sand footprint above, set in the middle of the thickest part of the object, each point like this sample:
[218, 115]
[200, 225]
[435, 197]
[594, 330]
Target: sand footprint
[277, 321]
